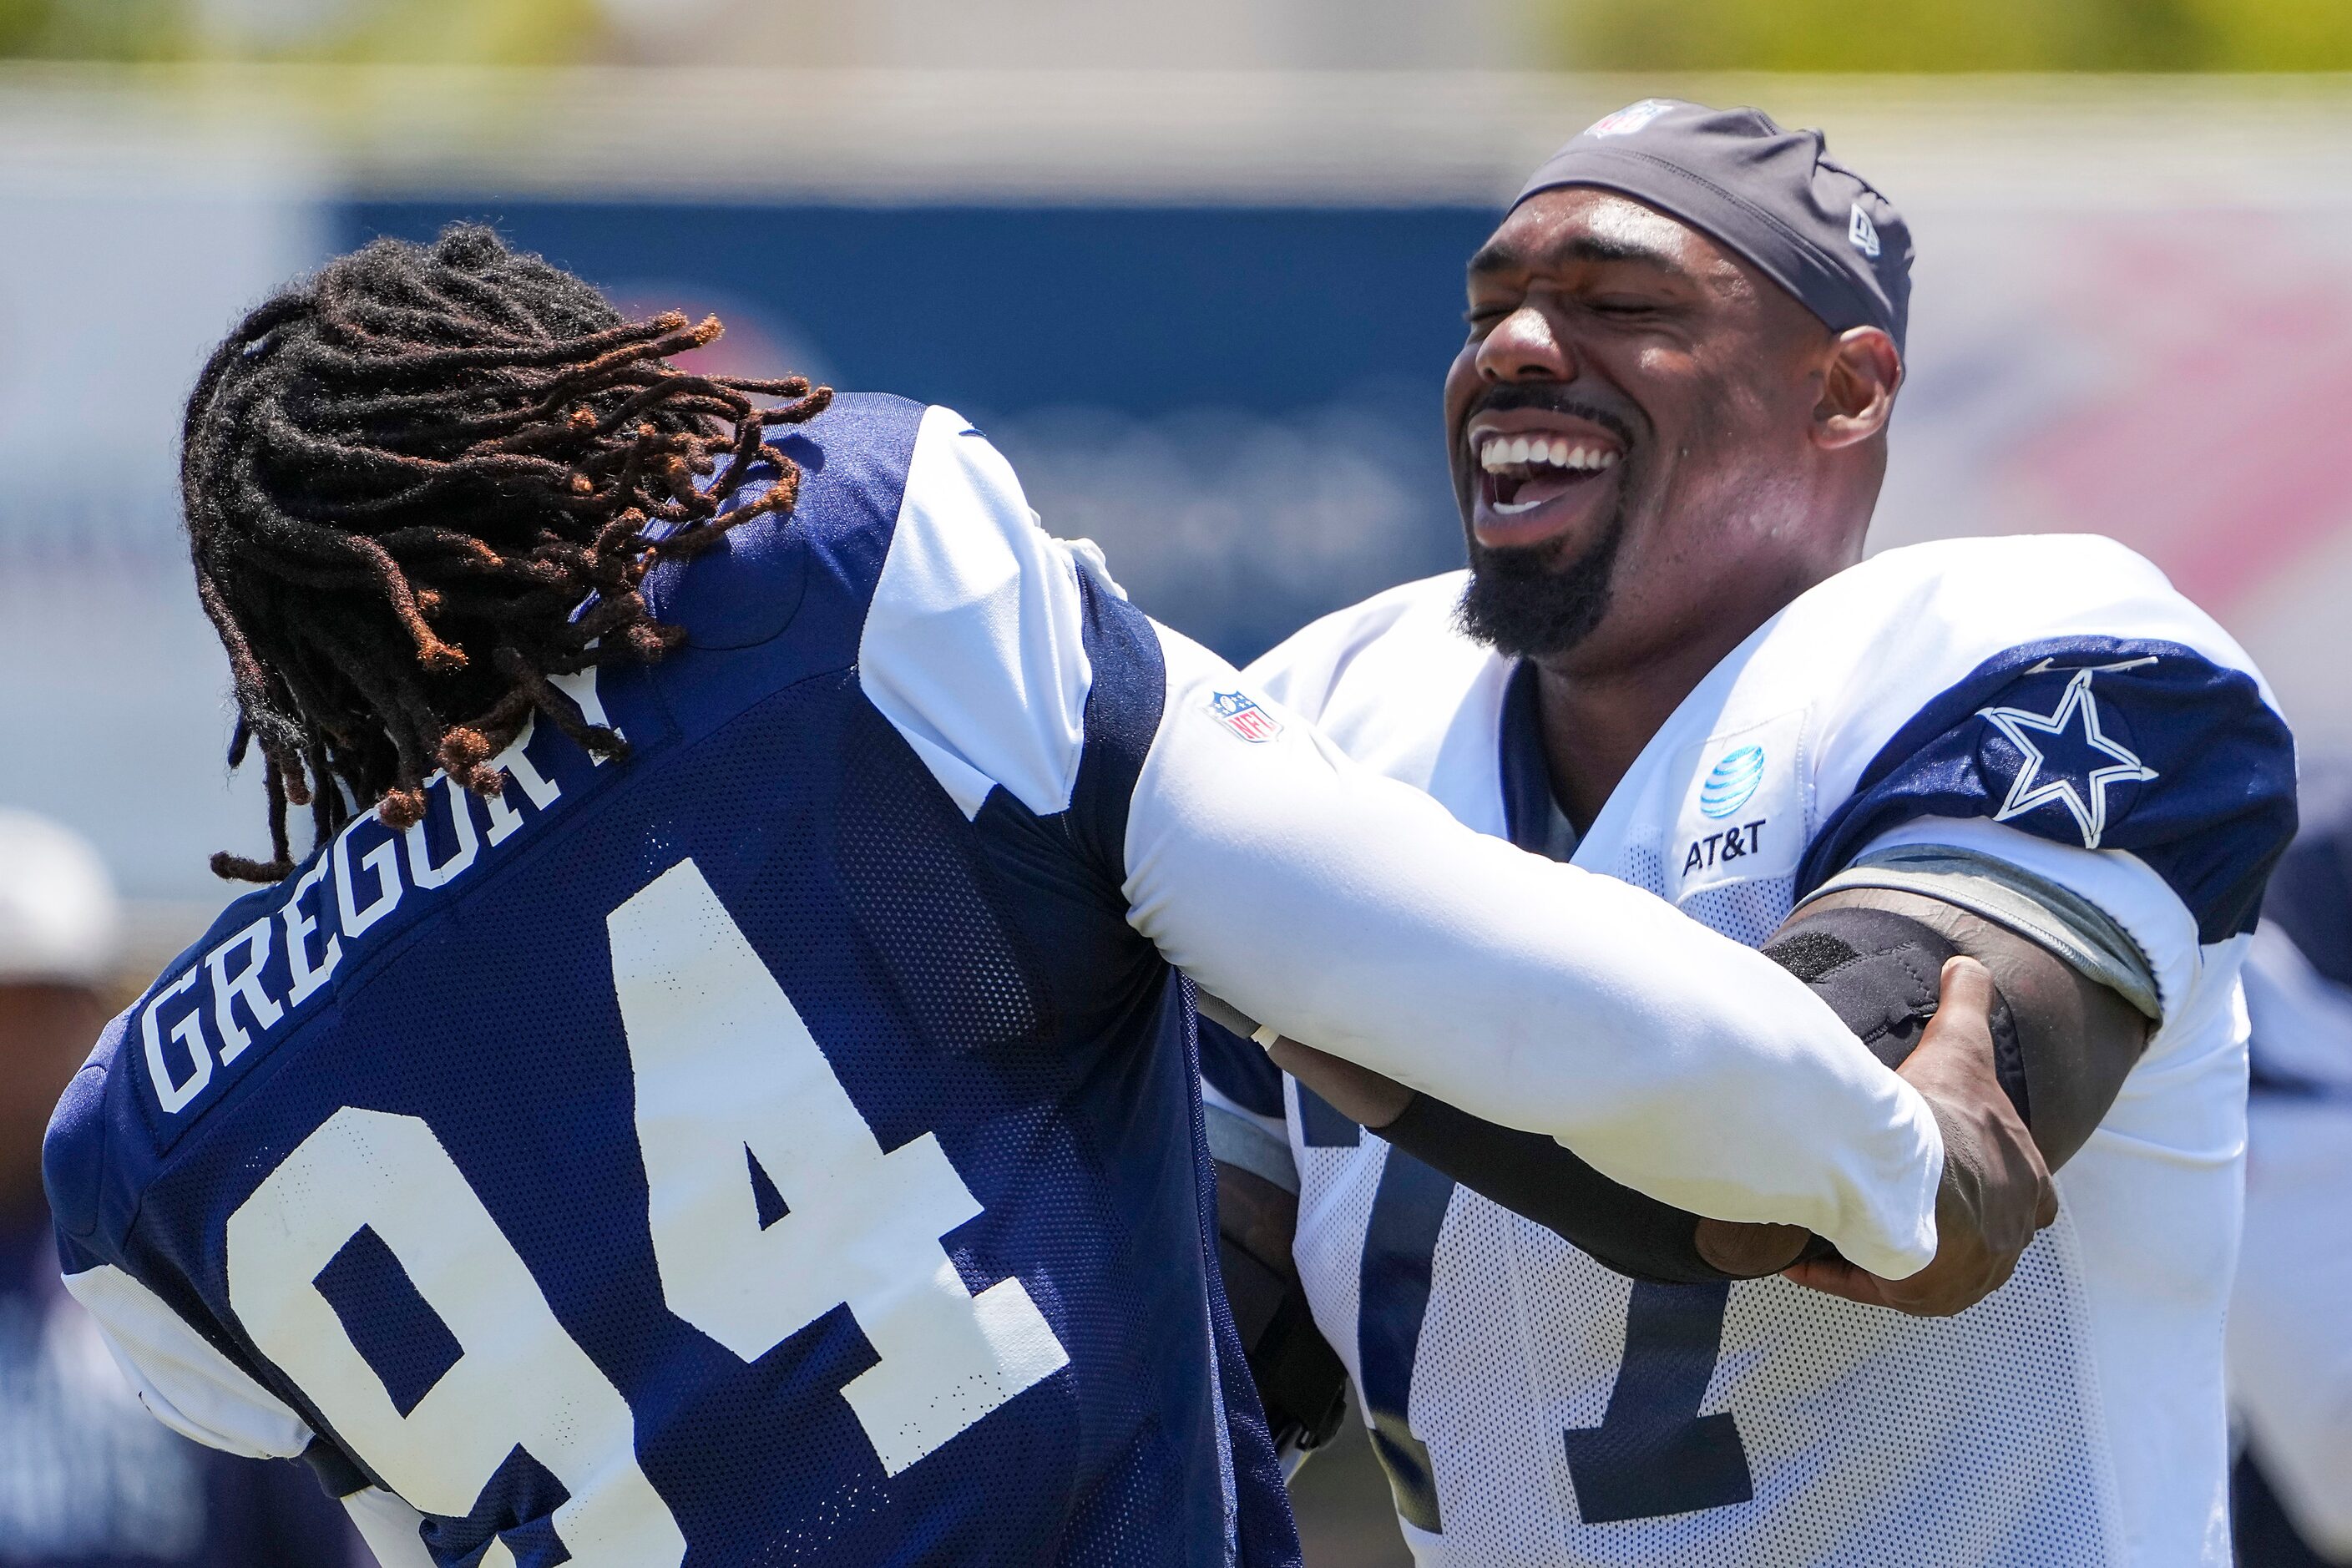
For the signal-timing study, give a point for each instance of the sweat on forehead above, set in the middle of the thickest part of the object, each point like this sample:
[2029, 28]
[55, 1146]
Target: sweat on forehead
[1773, 197]
[1607, 227]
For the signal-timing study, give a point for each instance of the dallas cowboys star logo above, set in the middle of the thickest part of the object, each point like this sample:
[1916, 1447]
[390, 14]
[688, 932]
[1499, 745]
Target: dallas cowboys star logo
[2046, 778]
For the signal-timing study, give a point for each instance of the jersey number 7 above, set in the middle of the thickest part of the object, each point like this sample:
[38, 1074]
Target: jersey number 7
[732, 1096]
[1653, 1454]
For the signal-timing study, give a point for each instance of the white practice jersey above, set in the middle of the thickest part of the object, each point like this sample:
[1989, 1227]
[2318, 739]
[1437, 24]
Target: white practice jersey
[2048, 706]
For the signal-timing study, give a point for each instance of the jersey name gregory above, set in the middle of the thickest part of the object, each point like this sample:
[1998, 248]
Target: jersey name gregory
[2047, 703]
[241, 994]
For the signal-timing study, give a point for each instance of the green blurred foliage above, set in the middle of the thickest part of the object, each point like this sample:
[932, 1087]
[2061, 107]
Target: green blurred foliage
[1945, 36]
[127, 30]
[446, 32]
[437, 32]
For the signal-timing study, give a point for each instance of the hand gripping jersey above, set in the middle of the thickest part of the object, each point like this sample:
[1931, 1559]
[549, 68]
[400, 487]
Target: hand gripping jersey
[782, 1146]
[2048, 705]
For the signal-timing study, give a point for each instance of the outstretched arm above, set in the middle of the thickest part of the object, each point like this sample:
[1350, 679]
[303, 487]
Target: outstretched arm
[1349, 909]
[2070, 1040]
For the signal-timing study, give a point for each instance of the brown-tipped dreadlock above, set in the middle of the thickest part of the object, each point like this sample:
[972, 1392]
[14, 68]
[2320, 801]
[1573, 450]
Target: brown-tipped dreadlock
[403, 480]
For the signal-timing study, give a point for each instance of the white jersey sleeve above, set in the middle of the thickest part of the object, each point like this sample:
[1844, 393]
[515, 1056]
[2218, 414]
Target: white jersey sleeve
[180, 1377]
[1351, 910]
[2050, 702]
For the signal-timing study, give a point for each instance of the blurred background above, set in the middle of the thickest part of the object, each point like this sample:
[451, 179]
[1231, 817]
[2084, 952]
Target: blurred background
[1195, 268]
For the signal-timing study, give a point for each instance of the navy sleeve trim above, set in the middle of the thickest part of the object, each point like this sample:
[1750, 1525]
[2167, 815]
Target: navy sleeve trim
[1129, 690]
[1240, 1070]
[2104, 743]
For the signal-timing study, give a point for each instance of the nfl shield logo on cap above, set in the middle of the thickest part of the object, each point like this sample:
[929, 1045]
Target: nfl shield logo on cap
[1630, 119]
[1244, 717]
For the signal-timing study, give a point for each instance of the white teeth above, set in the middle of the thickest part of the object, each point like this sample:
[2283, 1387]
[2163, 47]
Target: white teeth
[1513, 508]
[1498, 452]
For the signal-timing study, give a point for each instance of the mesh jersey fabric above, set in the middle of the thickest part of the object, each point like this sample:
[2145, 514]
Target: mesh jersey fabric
[1531, 1406]
[456, 1006]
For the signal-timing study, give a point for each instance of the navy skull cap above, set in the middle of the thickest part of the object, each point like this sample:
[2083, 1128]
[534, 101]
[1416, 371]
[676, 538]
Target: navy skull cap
[1776, 197]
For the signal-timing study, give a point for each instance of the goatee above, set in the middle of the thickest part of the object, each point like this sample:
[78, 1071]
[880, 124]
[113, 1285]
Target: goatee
[1530, 604]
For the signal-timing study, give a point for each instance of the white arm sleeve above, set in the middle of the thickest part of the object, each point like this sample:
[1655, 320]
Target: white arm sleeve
[1352, 912]
[183, 1381]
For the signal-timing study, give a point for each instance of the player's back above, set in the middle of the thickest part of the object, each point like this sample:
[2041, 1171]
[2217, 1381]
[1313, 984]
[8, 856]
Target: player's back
[773, 1147]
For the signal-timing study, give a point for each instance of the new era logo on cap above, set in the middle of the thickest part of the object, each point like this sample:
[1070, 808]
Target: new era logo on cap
[1862, 232]
[1630, 119]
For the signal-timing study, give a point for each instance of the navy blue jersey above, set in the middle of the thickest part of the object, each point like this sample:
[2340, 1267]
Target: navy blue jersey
[744, 1152]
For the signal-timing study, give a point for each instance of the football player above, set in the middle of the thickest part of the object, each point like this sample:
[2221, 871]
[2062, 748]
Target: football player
[2290, 1350]
[1669, 664]
[718, 1086]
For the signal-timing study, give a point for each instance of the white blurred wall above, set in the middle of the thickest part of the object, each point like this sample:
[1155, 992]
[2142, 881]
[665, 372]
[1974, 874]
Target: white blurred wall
[114, 284]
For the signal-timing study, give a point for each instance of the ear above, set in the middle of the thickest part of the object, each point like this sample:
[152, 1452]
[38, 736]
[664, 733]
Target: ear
[1859, 381]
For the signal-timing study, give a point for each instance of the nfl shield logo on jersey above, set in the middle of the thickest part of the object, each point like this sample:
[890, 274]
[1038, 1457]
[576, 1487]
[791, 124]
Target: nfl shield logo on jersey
[1244, 717]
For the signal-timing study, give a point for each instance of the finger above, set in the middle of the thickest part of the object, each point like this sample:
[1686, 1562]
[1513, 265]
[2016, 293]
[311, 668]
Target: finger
[1836, 1277]
[1966, 987]
[1749, 1251]
[1964, 1009]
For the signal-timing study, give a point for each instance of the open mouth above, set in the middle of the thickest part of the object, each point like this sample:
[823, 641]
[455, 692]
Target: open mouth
[1521, 472]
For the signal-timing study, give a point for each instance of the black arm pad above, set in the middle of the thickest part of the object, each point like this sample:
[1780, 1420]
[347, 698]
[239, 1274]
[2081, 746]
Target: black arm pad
[1882, 974]
[1879, 972]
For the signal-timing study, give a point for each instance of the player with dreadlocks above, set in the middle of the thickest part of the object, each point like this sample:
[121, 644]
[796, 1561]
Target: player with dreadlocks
[391, 532]
[753, 1113]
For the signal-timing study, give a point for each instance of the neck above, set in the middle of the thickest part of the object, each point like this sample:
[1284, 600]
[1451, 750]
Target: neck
[1595, 724]
[1598, 712]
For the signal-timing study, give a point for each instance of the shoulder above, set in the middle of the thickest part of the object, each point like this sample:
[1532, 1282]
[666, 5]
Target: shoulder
[2055, 686]
[1920, 617]
[99, 1160]
[1395, 683]
[813, 567]
[103, 1147]
[997, 650]
[1401, 626]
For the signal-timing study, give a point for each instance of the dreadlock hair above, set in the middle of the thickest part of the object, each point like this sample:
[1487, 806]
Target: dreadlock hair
[425, 480]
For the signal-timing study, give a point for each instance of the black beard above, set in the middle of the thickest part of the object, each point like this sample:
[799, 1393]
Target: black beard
[1527, 604]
